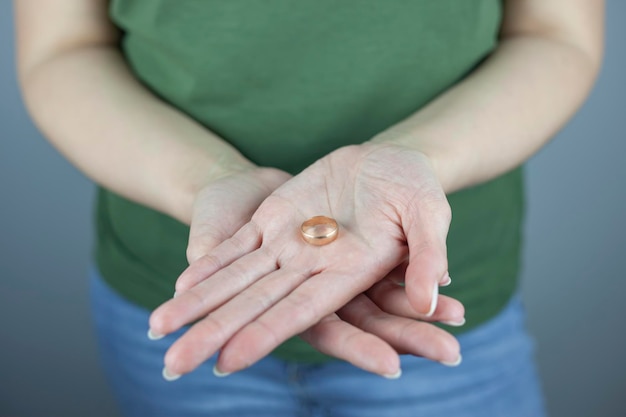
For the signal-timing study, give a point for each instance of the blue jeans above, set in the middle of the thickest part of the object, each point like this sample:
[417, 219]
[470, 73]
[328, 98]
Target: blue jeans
[497, 377]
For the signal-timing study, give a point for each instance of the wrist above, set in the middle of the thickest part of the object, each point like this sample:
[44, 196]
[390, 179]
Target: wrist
[194, 179]
[441, 159]
[265, 178]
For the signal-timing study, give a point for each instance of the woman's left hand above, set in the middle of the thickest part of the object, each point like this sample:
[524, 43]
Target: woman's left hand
[266, 284]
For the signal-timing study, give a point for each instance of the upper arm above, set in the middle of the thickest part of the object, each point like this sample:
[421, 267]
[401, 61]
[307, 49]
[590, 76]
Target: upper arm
[46, 29]
[578, 23]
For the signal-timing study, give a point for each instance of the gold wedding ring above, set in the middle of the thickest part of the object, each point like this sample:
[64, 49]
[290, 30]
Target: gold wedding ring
[319, 230]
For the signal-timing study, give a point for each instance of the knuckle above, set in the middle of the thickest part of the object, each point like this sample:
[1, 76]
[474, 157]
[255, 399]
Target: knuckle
[210, 263]
[269, 331]
[268, 252]
[445, 211]
[304, 311]
[361, 312]
[261, 297]
[406, 334]
[194, 252]
[350, 342]
[217, 329]
[237, 244]
[196, 296]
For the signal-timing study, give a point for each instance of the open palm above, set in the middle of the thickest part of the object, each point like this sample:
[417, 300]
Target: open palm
[266, 284]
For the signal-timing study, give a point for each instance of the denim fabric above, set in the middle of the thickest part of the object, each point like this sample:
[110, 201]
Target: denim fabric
[497, 377]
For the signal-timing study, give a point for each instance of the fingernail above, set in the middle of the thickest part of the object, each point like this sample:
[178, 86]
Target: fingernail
[219, 373]
[394, 376]
[154, 336]
[455, 363]
[455, 323]
[175, 294]
[447, 281]
[169, 376]
[433, 301]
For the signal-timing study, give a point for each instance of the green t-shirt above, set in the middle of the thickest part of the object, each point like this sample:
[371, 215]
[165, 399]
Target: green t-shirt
[287, 82]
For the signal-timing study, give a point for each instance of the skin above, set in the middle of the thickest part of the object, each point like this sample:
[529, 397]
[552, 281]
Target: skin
[82, 95]
[263, 284]
[383, 311]
[370, 191]
[488, 124]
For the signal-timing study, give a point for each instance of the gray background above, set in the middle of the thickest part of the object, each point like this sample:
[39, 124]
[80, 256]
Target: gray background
[573, 273]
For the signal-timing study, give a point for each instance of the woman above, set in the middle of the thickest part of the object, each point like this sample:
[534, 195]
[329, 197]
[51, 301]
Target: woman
[245, 120]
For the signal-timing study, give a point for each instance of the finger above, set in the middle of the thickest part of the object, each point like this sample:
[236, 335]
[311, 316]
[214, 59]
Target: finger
[219, 216]
[428, 261]
[246, 240]
[392, 299]
[342, 340]
[204, 236]
[211, 292]
[205, 337]
[316, 298]
[398, 275]
[404, 335]
[225, 206]
[423, 275]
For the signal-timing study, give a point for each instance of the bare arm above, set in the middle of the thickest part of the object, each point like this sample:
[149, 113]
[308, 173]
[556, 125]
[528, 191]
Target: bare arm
[549, 55]
[84, 98]
[86, 101]
[389, 195]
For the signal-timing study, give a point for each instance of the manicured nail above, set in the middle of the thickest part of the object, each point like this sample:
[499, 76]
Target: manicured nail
[219, 373]
[154, 336]
[455, 323]
[447, 281]
[169, 376]
[455, 363]
[394, 376]
[433, 301]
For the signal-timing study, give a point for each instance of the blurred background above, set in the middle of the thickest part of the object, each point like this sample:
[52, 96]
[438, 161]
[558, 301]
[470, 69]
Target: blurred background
[573, 280]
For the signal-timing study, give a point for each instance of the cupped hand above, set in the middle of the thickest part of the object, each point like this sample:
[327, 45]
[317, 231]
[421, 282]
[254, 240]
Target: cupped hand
[225, 205]
[368, 331]
[265, 283]
[374, 327]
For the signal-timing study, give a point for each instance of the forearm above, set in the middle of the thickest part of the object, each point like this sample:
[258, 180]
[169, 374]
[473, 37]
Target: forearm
[502, 113]
[89, 105]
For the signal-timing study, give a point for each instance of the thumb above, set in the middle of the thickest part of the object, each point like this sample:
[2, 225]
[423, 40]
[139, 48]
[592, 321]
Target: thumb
[224, 207]
[209, 228]
[426, 231]
[205, 235]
